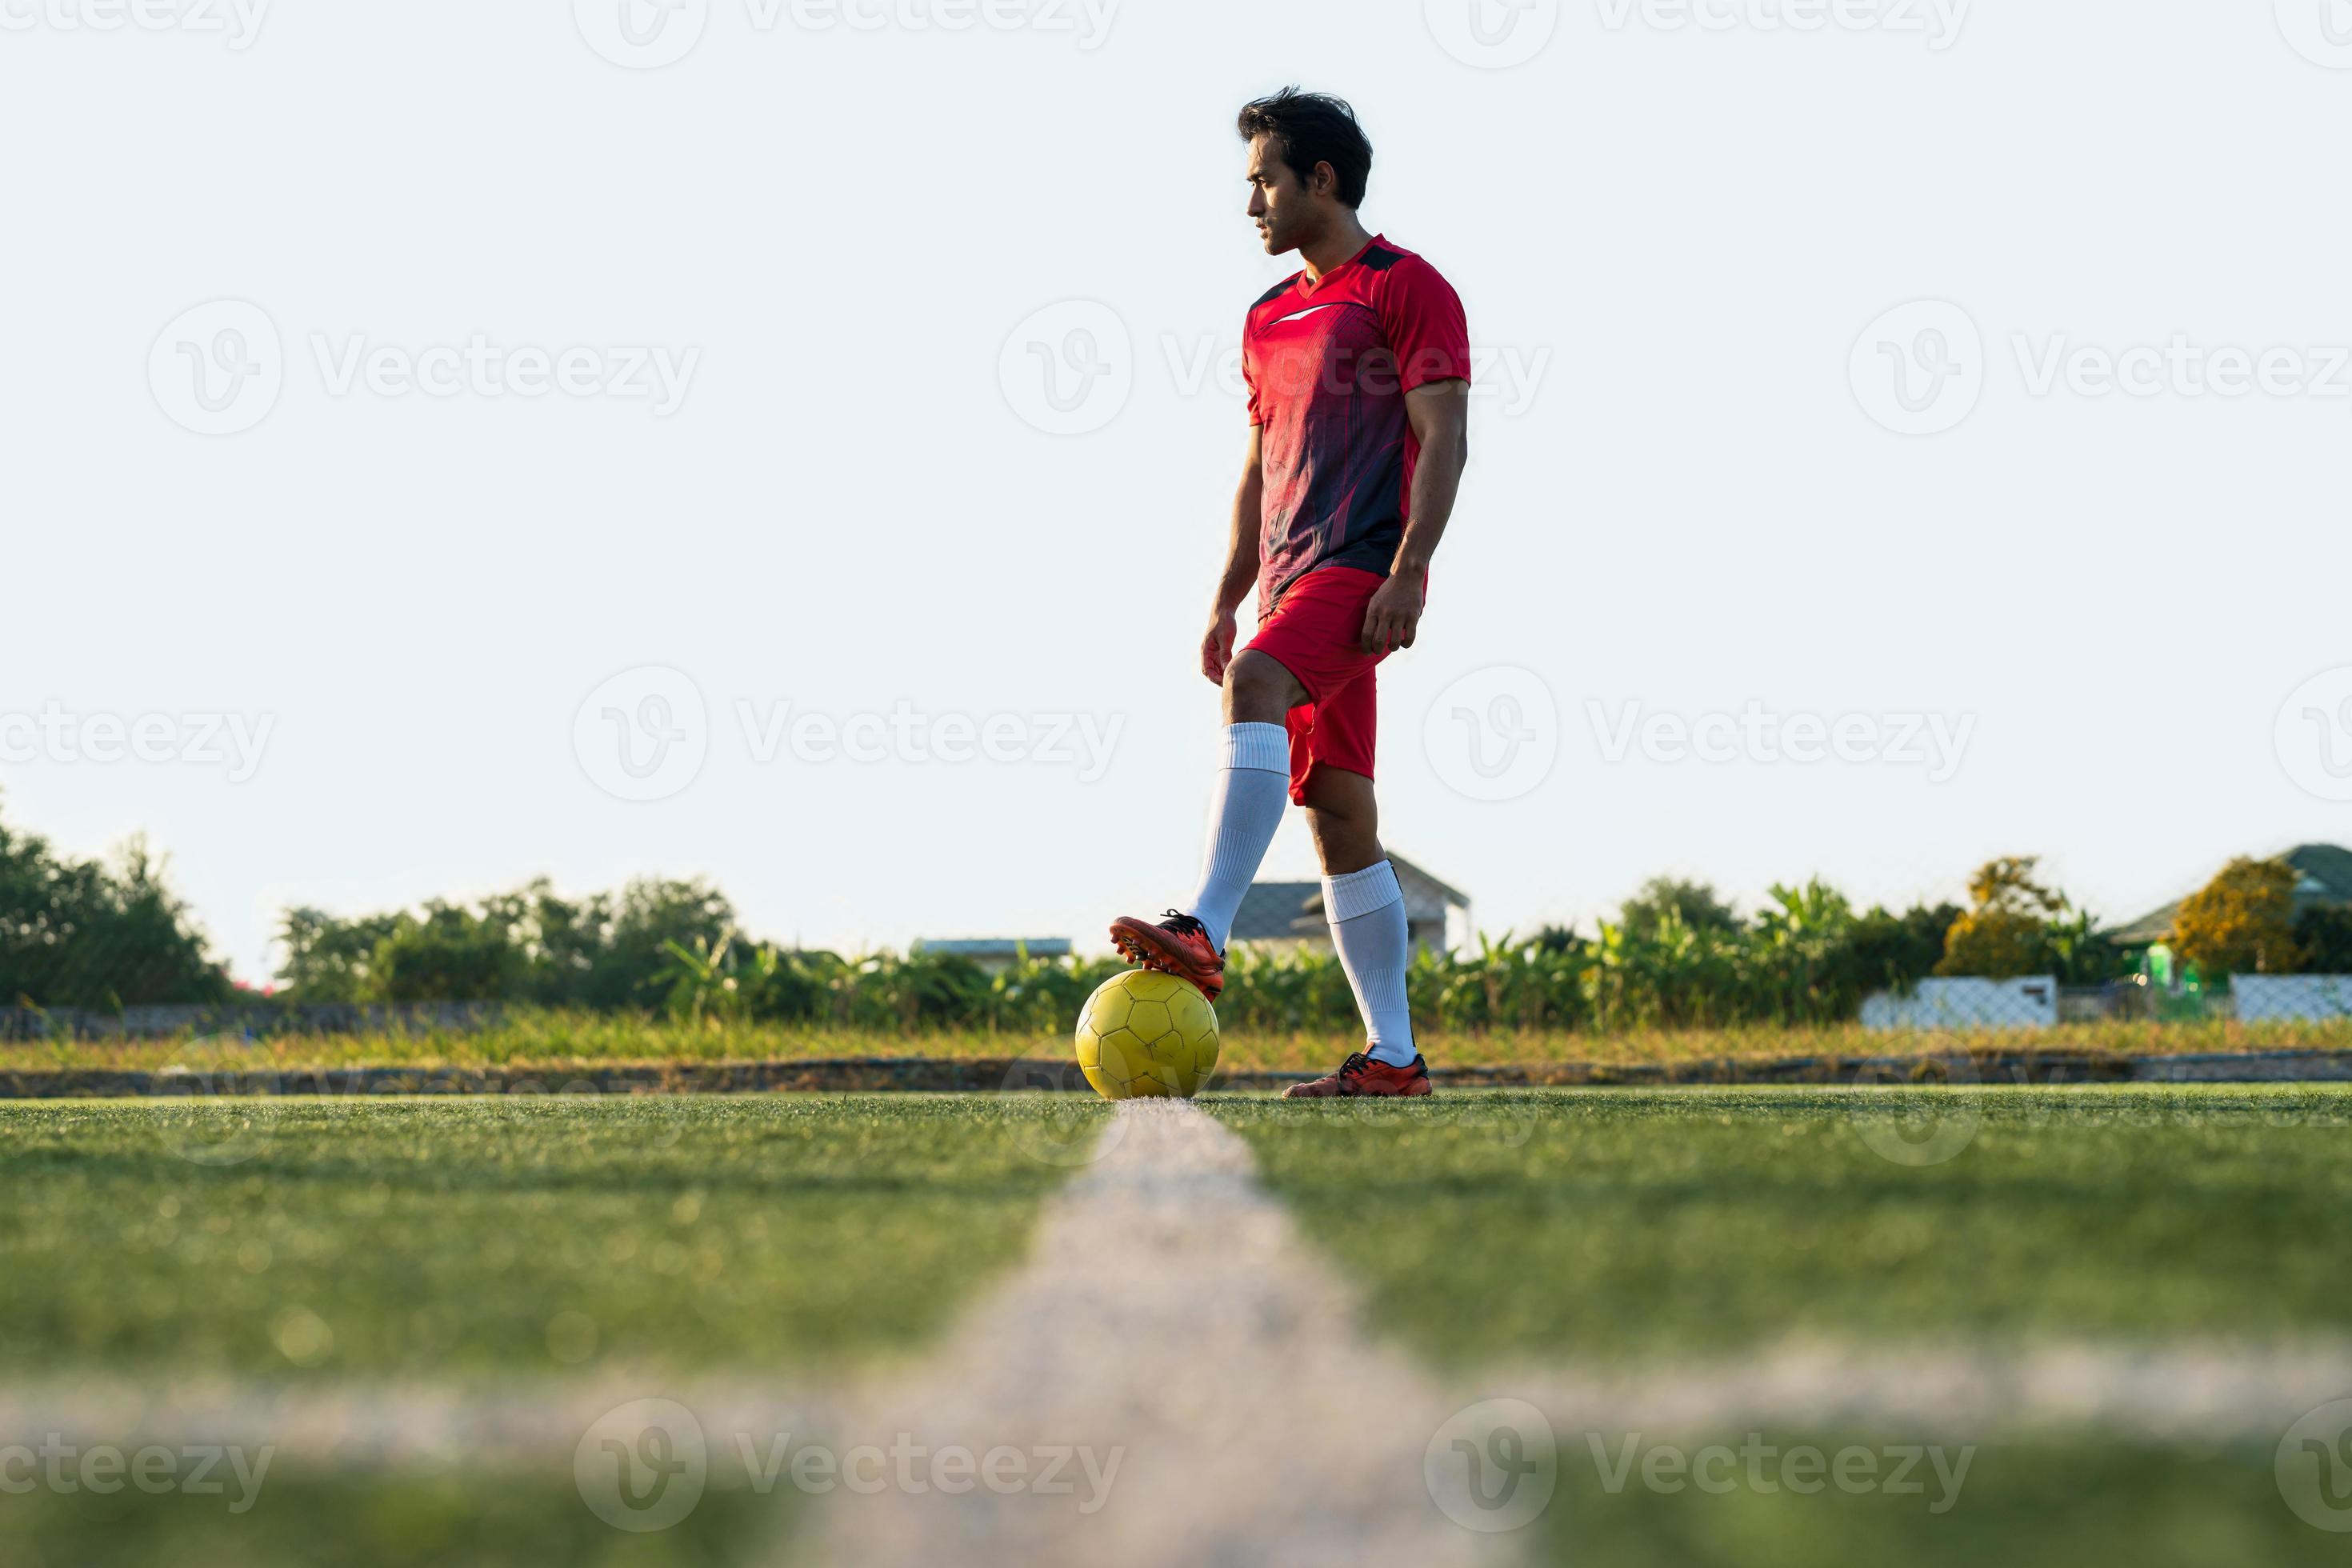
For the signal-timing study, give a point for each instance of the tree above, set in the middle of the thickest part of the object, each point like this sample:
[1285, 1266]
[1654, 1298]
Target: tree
[97, 935]
[2242, 922]
[1892, 950]
[2323, 936]
[2006, 931]
[1694, 903]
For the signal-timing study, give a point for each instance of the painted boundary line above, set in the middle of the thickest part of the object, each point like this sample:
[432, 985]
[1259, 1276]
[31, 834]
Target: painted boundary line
[950, 1075]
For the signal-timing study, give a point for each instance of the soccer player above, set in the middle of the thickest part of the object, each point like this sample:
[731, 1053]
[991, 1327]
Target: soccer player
[1359, 376]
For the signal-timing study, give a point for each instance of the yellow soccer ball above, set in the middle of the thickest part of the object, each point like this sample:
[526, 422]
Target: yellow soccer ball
[1145, 1033]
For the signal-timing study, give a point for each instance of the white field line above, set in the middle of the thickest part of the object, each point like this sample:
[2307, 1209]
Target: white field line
[1170, 1311]
[2177, 1392]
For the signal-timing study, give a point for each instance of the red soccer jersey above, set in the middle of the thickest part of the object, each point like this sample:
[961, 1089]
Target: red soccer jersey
[1327, 365]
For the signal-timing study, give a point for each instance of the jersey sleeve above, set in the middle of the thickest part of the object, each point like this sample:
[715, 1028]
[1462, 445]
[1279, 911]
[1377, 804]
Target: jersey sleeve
[1249, 374]
[1421, 316]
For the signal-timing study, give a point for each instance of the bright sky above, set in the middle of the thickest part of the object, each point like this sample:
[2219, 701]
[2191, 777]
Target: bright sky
[810, 456]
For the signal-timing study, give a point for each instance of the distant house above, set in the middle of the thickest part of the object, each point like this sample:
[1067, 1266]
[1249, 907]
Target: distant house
[995, 954]
[2324, 876]
[1278, 916]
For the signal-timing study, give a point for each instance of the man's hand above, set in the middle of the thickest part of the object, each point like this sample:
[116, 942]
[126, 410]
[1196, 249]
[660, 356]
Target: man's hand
[1393, 617]
[1217, 648]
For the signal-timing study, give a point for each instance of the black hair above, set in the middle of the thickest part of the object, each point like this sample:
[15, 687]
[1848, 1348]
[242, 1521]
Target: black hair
[1314, 128]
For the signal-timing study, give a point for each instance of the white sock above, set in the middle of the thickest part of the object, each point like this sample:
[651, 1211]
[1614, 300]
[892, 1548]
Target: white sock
[1251, 790]
[1368, 926]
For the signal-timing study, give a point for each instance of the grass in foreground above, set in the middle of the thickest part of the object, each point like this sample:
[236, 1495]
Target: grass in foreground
[1508, 1228]
[468, 1517]
[554, 1040]
[372, 1239]
[2044, 1503]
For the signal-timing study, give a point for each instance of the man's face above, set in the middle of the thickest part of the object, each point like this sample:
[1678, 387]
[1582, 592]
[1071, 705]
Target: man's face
[1286, 212]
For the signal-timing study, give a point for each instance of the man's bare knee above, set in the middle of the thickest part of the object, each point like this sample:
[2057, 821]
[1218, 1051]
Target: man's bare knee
[1258, 691]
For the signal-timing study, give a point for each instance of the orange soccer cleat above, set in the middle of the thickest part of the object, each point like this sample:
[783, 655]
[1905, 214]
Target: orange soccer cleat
[1360, 1075]
[1179, 946]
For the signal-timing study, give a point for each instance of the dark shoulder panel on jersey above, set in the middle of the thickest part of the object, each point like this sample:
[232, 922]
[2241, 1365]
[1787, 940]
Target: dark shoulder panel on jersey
[1276, 292]
[1380, 258]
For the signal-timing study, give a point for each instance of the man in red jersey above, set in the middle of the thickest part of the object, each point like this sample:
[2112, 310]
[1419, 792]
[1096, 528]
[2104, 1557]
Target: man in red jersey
[1359, 373]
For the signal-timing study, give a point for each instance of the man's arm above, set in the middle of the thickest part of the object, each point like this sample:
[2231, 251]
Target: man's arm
[1439, 412]
[1241, 561]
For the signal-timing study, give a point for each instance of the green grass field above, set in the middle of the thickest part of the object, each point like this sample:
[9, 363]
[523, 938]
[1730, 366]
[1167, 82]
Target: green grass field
[550, 1041]
[513, 1245]
[1670, 1222]
[455, 1238]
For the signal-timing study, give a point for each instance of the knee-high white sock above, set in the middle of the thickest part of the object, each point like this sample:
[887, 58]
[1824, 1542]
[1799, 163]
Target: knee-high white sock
[1252, 787]
[1368, 926]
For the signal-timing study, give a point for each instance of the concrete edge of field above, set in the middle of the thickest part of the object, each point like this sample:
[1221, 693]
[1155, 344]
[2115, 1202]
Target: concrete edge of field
[938, 1075]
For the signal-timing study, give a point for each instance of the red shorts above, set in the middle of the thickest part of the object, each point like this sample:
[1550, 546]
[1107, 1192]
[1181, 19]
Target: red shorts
[1317, 633]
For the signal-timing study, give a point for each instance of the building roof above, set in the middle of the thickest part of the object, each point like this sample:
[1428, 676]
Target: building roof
[1273, 910]
[2325, 879]
[1270, 911]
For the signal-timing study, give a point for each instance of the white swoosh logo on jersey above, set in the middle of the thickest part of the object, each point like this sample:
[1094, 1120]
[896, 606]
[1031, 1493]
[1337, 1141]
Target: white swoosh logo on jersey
[1307, 312]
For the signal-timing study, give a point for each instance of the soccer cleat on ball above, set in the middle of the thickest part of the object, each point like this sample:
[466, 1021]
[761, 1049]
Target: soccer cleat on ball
[1145, 1033]
[1177, 945]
